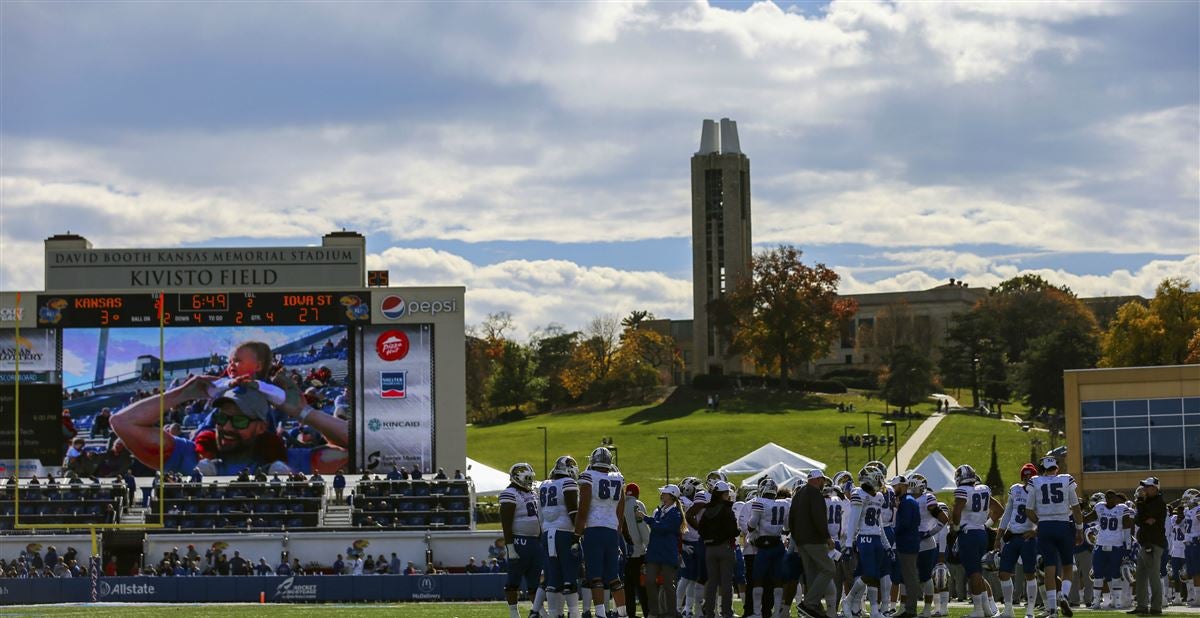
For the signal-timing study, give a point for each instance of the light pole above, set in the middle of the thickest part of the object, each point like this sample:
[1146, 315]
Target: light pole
[889, 431]
[545, 452]
[846, 444]
[667, 456]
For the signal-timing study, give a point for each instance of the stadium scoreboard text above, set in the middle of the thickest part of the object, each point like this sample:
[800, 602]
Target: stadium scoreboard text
[203, 309]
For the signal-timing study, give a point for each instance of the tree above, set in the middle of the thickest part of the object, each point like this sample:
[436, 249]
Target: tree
[515, 381]
[592, 361]
[1027, 307]
[973, 356]
[1194, 349]
[1157, 334]
[908, 378]
[643, 356]
[478, 372]
[994, 480]
[635, 319]
[552, 349]
[1040, 374]
[786, 314]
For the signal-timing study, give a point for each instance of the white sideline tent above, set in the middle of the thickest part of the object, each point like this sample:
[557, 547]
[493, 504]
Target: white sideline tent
[781, 473]
[937, 470]
[488, 480]
[768, 455]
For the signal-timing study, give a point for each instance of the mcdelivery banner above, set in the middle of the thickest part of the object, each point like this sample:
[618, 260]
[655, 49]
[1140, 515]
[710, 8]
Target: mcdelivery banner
[396, 424]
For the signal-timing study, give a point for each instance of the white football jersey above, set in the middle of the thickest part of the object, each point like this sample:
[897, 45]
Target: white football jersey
[1052, 497]
[835, 511]
[1109, 525]
[1191, 524]
[1176, 536]
[974, 514]
[743, 522]
[887, 516]
[769, 515]
[691, 536]
[552, 497]
[1015, 520]
[526, 521]
[606, 489]
[870, 515]
[928, 520]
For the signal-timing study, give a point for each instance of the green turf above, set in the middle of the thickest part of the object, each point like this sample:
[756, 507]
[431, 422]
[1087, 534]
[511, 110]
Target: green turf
[701, 440]
[407, 610]
[967, 439]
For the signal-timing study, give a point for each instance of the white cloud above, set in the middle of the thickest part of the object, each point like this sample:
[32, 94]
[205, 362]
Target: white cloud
[539, 292]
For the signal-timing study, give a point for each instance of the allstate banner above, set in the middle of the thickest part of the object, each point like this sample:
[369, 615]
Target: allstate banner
[396, 424]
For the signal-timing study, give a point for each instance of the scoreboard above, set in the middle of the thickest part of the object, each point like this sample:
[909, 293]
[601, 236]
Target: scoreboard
[204, 309]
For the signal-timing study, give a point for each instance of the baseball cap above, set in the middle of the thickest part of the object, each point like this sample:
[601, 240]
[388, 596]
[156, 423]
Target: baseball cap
[669, 489]
[722, 486]
[251, 402]
[1049, 462]
[898, 480]
[632, 489]
[1149, 482]
[815, 473]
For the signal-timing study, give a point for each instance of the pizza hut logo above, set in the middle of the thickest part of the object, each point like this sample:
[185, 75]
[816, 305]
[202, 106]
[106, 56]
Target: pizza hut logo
[392, 345]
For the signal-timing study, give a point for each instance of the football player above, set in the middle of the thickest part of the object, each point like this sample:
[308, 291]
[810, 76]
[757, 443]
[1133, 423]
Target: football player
[1055, 504]
[1017, 539]
[974, 505]
[835, 510]
[1191, 551]
[941, 572]
[522, 528]
[601, 503]
[692, 578]
[559, 499]
[933, 522]
[749, 551]
[871, 546]
[768, 518]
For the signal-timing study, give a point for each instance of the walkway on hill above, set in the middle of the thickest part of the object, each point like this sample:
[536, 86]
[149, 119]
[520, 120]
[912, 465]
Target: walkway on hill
[914, 442]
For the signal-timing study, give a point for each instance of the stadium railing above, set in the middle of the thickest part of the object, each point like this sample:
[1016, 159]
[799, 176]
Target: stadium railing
[73, 505]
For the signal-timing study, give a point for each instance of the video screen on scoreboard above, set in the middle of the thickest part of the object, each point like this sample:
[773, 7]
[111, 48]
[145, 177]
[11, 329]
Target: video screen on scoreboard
[111, 372]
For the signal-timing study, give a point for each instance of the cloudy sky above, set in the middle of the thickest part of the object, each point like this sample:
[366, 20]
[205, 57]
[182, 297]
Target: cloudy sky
[538, 153]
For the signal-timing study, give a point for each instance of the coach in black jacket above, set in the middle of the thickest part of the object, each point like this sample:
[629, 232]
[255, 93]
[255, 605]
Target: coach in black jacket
[810, 536]
[1151, 521]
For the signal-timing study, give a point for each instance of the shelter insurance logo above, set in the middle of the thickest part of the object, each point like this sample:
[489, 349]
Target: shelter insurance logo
[392, 345]
[392, 307]
[392, 384]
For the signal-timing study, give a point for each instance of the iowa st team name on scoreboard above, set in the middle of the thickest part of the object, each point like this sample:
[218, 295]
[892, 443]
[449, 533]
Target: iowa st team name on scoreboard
[203, 309]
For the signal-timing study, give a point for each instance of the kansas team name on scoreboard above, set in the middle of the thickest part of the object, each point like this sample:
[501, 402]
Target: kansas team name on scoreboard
[203, 309]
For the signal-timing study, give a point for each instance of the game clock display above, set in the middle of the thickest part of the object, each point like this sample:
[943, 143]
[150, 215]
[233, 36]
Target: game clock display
[204, 309]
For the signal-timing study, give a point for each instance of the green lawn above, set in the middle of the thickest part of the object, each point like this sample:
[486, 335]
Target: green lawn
[967, 439]
[700, 440]
[408, 610]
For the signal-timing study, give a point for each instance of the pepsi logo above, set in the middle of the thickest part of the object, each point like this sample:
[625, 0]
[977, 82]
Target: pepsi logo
[392, 345]
[392, 307]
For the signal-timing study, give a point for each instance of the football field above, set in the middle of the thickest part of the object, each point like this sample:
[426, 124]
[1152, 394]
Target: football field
[414, 610]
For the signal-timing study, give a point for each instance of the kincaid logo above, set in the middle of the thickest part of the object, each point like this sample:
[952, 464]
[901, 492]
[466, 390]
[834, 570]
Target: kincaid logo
[105, 589]
[378, 425]
[288, 590]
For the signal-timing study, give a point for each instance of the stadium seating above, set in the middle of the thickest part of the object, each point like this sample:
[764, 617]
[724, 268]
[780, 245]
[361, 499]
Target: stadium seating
[412, 505]
[71, 505]
[240, 506]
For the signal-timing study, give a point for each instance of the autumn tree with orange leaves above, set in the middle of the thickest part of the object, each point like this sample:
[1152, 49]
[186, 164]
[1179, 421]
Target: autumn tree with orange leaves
[786, 315]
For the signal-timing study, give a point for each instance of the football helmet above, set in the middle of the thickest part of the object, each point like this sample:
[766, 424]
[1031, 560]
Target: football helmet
[566, 466]
[1091, 535]
[600, 459]
[917, 484]
[768, 488]
[1191, 497]
[965, 475]
[941, 576]
[711, 480]
[827, 491]
[689, 486]
[841, 479]
[991, 561]
[877, 464]
[871, 476]
[1128, 571]
[945, 508]
[1095, 499]
[521, 475]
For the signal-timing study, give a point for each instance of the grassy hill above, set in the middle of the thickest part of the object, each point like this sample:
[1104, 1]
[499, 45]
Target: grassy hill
[700, 439]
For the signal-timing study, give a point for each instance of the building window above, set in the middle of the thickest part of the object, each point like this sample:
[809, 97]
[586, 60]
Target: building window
[849, 359]
[1141, 434]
